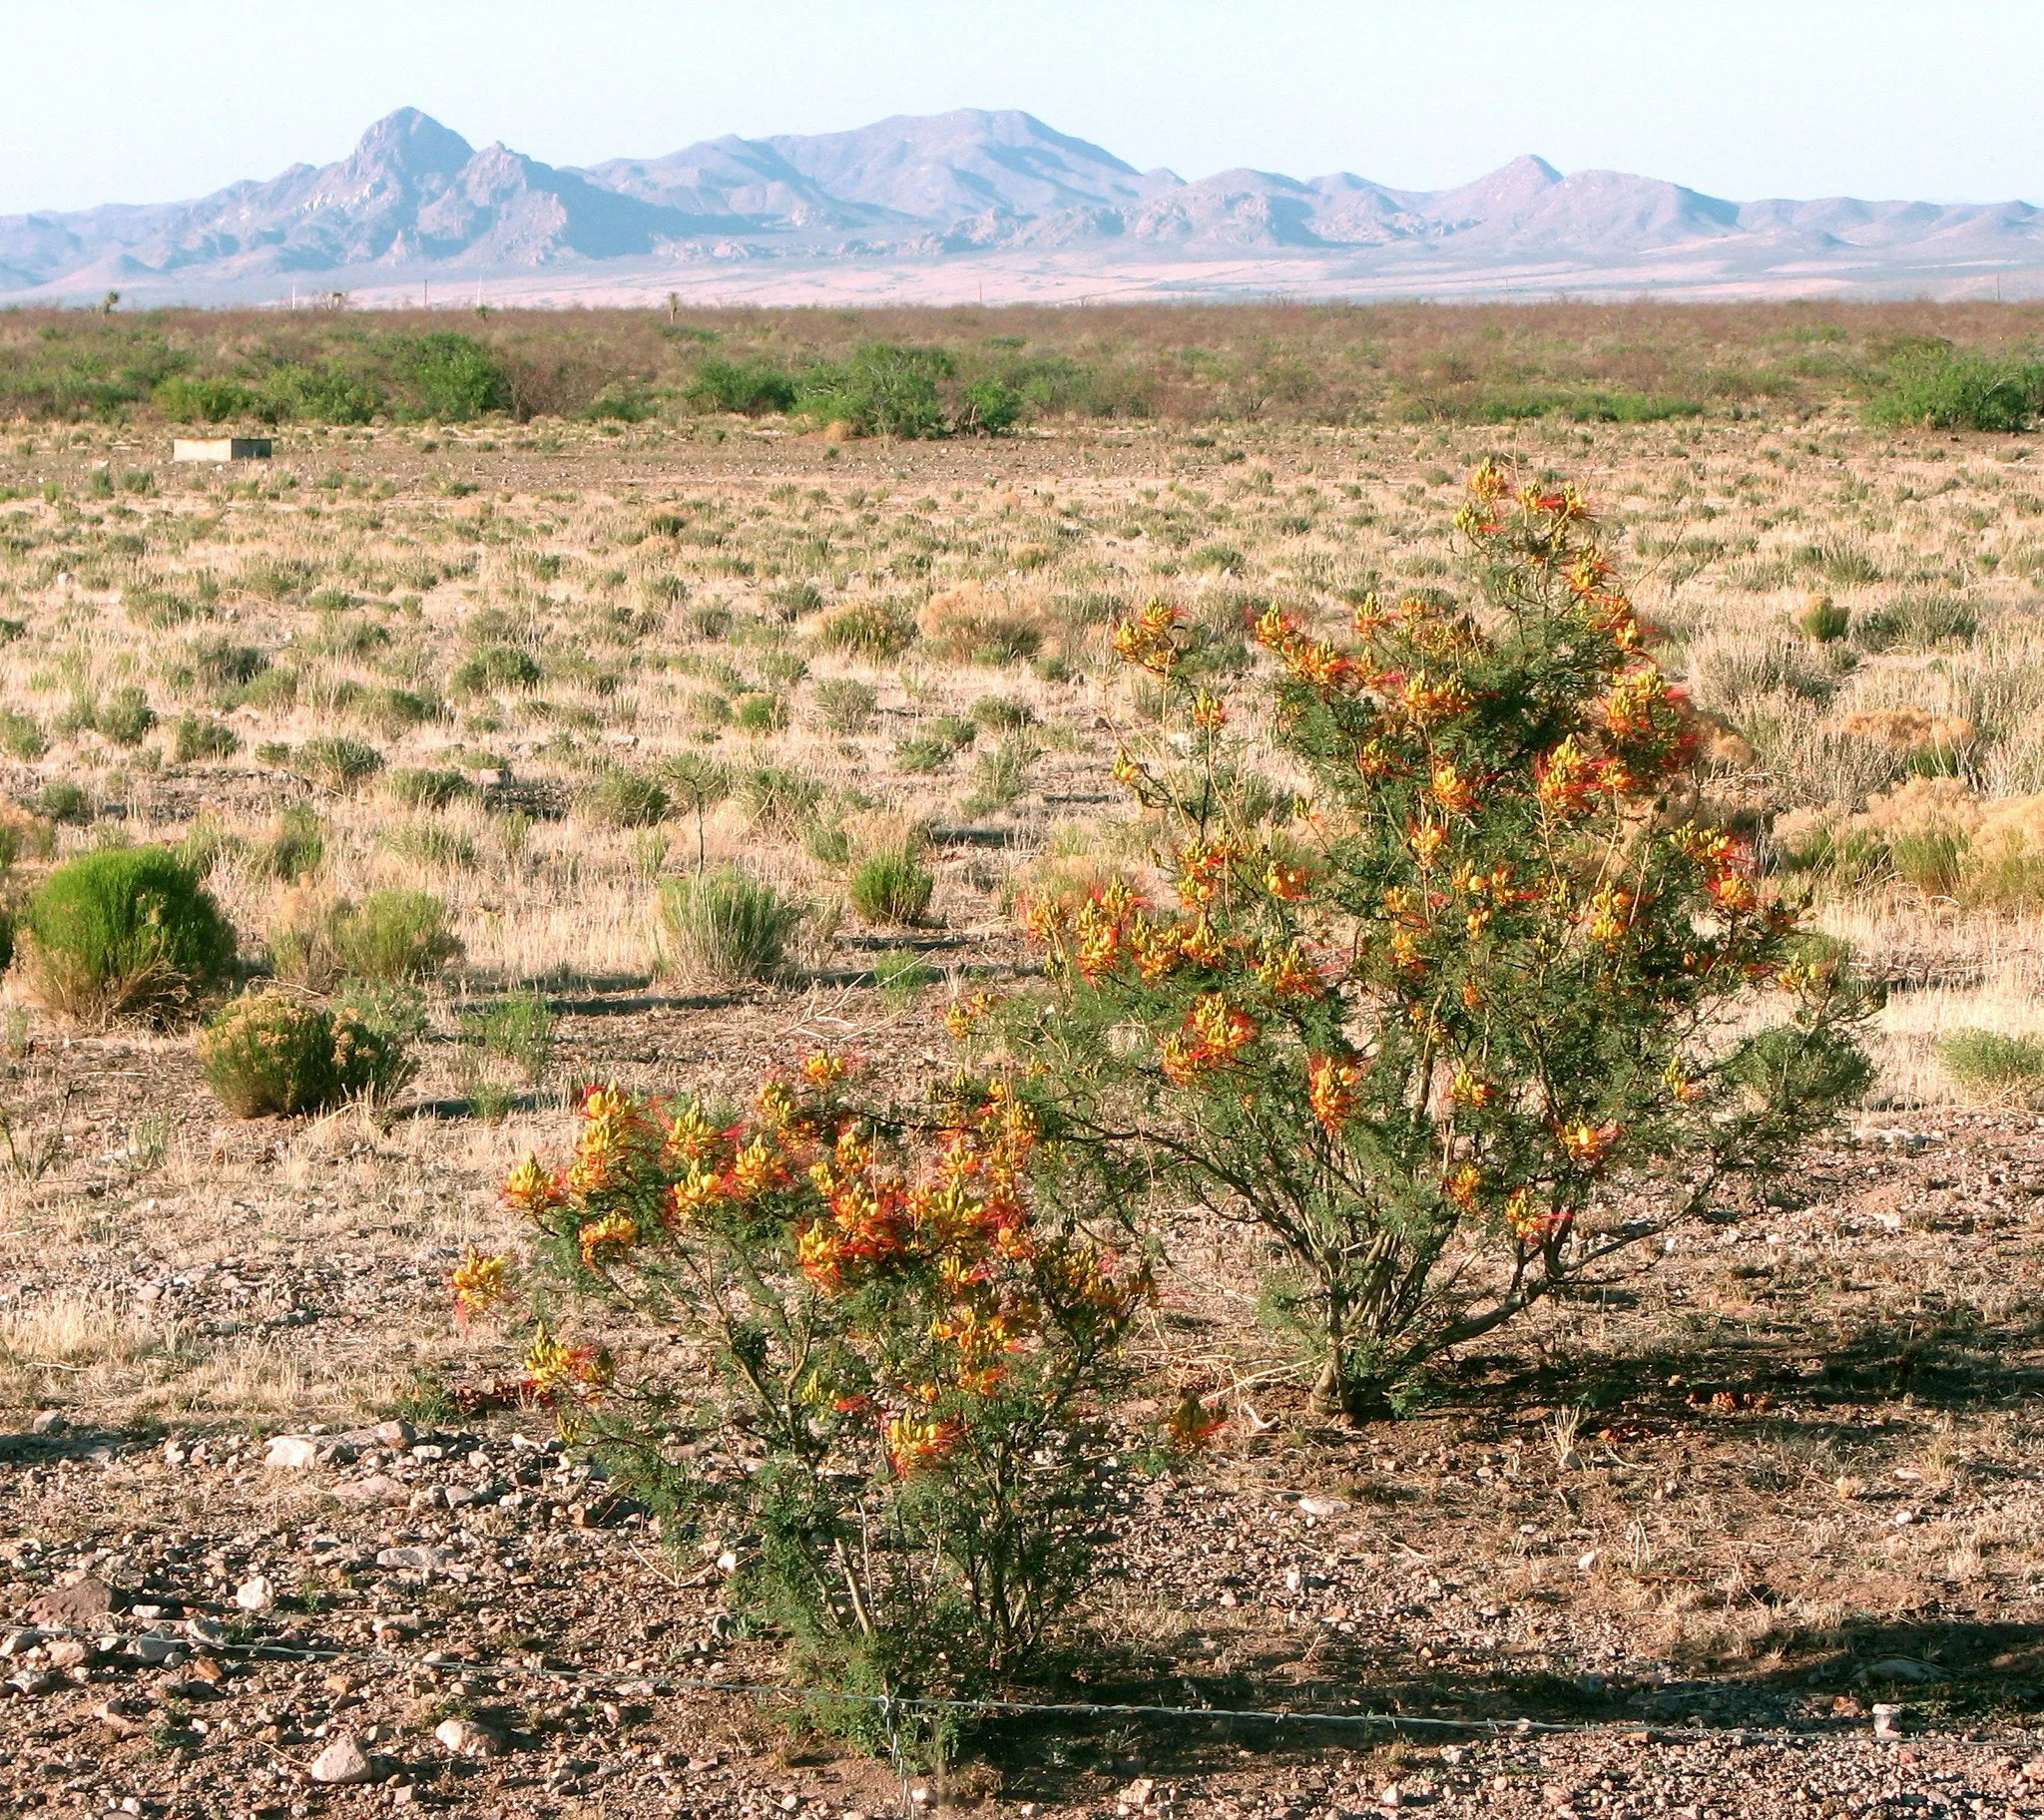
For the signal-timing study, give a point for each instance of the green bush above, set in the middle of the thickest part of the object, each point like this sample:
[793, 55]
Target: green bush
[1938, 387]
[126, 717]
[297, 850]
[274, 1055]
[1993, 1065]
[893, 887]
[326, 393]
[455, 377]
[924, 752]
[182, 399]
[722, 927]
[1823, 620]
[494, 670]
[759, 714]
[335, 763]
[778, 800]
[199, 738]
[127, 932]
[65, 802]
[990, 407]
[1000, 778]
[750, 388]
[1920, 620]
[874, 630]
[394, 936]
[880, 390]
[518, 1028]
[20, 736]
[902, 976]
[847, 707]
[427, 789]
[624, 799]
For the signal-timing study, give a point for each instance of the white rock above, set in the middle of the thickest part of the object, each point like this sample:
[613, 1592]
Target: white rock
[256, 1594]
[465, 1739]
[292, 1452]
[342, 1764]
[1322, 1507]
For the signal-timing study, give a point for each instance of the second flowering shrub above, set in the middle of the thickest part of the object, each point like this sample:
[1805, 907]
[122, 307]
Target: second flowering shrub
[887, 1391]
[1496, 1002]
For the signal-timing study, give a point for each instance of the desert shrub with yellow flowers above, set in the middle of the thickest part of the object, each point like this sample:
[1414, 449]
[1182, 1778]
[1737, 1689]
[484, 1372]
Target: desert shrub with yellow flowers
[882, 1374]
[1496, 1002]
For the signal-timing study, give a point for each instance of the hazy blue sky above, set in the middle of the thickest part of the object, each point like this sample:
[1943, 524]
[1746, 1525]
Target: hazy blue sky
[147, 100]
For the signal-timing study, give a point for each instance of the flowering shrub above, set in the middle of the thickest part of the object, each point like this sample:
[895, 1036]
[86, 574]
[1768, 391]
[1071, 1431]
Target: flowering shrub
[1470, 1023]
[890, 1371]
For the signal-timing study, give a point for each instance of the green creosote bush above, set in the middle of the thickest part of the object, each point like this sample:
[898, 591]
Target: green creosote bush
[880, 390]
[624, 799]
[518, 1029]
[126, 717]
[1000, 778]
[744, 388]
[495, 669]
[1918, 621]
[196, 738]
[127, 932]
[296, 851]
[872, 630]
[990, 406]
[902, 976]
[455, 377]
[776, 799]
[759, 715]
[21, 737]
[65, 802]
[1937, 387]
[1823, 620]
[394, 936]
[336, 764]
[845, 706]
[891, 888]
[1991, 1065]
[1494, 1012]
[270, 1055]
[426, 789]
[885, 1389]
[721, 927]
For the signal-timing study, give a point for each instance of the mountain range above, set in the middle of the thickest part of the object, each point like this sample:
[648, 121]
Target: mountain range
[942, 208]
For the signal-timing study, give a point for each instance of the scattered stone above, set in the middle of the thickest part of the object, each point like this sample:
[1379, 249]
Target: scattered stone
[418, 1559]
[378, 1487]
[72, 1608]
[465, 1739]
[1888, 1722]
[1322, 1507]
[159, 1649]
[69, 1653]
[342, 1764]
[256, 1594]
[292, 1452]
[206, 1630]
[32, 1682]
[19, 1642]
